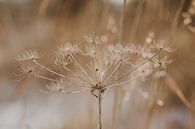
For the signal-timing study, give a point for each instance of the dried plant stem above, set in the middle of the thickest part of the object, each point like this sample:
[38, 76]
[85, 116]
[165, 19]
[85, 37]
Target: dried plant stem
[76, 75]
[121, 22]
[175, 20]
[43, 7]
[60, 75]
[123, 83]
[46, 78]
[100, 109]
[113, 73]
[81, 68]
[132, 70]
[172, 85]
[137, 19]
[7, 18]
[152, 103]
[117, 90]
[47, 69]
[102, 26]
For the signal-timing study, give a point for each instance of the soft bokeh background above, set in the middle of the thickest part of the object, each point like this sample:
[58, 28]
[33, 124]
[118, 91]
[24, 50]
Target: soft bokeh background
[43, 24]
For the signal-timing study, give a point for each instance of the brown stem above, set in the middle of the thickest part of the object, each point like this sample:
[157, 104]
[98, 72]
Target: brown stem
[152, 103]
[172, 85]
[137, 19]
[121, 22]
[100, 109]
[43, 8]
[117, 90]
[175, 20]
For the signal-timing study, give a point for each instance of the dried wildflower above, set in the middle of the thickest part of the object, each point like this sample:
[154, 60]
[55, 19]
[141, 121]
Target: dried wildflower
[56, 86]
[116, 53]
[62, 60]
[68, 49]
[26, 69]
[28, 55]
[125, 53]
[144, 71]
[136, 49]
[90, 51]
[161, 63]
[93, 39]
[101, 71]
[162, 45]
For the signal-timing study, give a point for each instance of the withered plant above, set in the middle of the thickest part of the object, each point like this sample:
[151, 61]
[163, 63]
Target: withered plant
[94, 66]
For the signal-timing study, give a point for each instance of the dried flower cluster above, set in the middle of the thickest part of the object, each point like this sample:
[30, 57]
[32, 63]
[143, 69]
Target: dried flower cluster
[95, 66]
[102, 63]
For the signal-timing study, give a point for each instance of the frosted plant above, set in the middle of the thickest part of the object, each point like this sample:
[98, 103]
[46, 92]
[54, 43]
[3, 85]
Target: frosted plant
[95, 66]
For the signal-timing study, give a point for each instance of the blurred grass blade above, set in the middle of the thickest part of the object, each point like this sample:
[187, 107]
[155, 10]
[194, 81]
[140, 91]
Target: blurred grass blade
[175, 88]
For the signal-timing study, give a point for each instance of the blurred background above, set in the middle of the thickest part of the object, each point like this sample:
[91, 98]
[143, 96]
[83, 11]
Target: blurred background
[44, 24]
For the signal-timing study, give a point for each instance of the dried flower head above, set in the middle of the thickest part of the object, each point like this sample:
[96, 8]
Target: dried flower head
[108, 66]
[144, 71]
[93, 39]
[162, 45]
[116, 53]
[62, 60]
[68, 49]
[161, 63]
[136, 49]
[56, 86]
[28, 55]
[28, 70]
[124, 53]
[90, 50]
